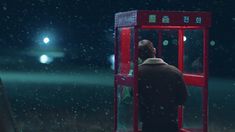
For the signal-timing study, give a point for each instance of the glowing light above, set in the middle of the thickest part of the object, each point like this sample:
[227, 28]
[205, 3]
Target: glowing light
[212, 43]
[165, 42]
[44, 59]
[185, 38]
[46, 40]
[112, 61]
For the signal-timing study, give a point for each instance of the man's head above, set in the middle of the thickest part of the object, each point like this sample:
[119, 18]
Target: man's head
[146, 49]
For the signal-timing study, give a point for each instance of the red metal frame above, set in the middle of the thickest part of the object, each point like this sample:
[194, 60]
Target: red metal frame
[180, 67]
[170, 27]
[136, 99]
[205, 89]
[140, 20]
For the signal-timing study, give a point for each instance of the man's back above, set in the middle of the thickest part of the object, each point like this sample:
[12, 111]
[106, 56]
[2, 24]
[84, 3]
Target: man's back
[161, 89]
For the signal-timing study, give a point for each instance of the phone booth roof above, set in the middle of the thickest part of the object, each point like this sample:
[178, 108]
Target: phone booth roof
[163, 18]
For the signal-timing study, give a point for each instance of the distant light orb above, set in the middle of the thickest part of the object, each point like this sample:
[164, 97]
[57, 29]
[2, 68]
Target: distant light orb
[112, 61]
[46, 40]
[212, 43]
[165, 42]
[185, 38]
[112, 58]
[44, 59]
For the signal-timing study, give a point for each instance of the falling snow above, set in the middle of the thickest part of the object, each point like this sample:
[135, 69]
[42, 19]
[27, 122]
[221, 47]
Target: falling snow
[74, 92]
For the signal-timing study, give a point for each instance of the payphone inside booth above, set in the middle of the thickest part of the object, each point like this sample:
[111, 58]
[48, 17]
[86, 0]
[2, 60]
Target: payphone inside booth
[181, 39]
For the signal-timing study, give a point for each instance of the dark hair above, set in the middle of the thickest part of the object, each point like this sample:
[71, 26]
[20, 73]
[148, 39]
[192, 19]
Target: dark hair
[146, 49]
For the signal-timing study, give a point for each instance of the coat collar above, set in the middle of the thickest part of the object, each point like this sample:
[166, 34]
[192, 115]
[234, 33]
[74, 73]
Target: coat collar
[154, 61]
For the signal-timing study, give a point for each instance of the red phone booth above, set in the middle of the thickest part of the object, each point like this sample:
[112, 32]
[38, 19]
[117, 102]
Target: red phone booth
[181, 39]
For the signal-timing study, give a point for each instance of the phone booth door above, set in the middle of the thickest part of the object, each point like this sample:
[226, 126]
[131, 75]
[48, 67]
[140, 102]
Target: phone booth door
[186, 49]
[194, 65]
[124, 80]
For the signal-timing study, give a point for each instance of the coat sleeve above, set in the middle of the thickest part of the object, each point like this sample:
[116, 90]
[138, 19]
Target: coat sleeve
[181, 93]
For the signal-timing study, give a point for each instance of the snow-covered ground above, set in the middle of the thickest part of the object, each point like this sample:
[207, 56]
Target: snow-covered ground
[83, 102]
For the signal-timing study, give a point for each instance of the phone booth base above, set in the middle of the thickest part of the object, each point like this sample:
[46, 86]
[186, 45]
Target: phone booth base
[181, 39]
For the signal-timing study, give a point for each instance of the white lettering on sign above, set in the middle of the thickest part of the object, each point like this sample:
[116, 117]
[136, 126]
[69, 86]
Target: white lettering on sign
[198, 20]
[186, 19]
[165, 19]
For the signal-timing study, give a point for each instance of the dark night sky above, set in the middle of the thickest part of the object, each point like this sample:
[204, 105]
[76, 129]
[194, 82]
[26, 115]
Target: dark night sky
[83, 29]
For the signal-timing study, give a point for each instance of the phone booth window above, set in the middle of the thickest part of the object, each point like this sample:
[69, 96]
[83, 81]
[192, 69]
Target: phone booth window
[170, 46]
[126, 51]
[125, 108]
[149, 34]
[193, 51]
[193, 108]
[165, 41]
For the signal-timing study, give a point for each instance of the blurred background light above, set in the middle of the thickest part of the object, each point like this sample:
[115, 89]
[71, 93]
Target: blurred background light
[185, 38]
[112, 61]
[165, 42]
[212, 43]
[45, 59]
[46, 40]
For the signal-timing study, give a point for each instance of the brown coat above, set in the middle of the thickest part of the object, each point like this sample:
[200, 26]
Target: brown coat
[162, 89]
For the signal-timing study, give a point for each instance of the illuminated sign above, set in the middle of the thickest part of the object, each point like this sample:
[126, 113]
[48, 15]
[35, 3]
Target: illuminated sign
[165, 19]
[152, 18]
[186, 19]
[198, 20]
[159, 18]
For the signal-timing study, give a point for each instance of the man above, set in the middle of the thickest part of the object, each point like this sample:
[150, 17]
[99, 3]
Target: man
[161, 88]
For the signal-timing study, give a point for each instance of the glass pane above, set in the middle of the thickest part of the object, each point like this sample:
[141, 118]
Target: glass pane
[165, 42]
[193, 51]
[149, 34]
[193, 108]
[125, 108]
[132, 53]
[170, 46]
[125, 51]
